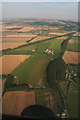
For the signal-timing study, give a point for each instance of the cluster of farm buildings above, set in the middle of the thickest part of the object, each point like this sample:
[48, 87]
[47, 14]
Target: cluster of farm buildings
[49, 51]
[70, 75]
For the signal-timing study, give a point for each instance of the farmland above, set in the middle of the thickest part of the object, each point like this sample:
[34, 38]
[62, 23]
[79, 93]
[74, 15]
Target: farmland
[7, 45]
[70, 90]
[71, 57]
[74, 44]
[58, 33]
[8, 64]
[22, 100]
[38, 55]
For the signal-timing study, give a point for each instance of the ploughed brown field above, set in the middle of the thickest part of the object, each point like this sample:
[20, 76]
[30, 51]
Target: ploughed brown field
[63, 38]
[24, 39]
[55, 33]
[71, 41]
[15, 26]
[10, 62]
[20, 35]
[26, 29]
[39, 38]
[71, 57]
[10, 28]
[14, 102]
[7, 45]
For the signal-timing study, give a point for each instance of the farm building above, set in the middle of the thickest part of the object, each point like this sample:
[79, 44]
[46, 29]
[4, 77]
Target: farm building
[49, 51]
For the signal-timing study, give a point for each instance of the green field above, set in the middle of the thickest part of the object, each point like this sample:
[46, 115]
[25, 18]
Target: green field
[32, 70]
[75, 46]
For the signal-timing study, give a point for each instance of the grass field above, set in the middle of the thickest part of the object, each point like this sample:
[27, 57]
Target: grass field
[56, 45]
[51, 98]
[75, 46]
[32, 70]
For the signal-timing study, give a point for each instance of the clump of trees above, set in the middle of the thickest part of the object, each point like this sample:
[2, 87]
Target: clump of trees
[9, 80]
[56, 71]
[10, 83]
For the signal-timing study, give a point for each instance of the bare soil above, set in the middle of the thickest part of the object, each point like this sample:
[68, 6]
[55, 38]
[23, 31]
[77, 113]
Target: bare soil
[71, 41]
[71, 57]
[39, 38]
[7, 45]
[10, 62]
[14, 102]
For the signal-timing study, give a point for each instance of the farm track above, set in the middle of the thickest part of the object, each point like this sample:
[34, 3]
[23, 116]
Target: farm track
[64, 100]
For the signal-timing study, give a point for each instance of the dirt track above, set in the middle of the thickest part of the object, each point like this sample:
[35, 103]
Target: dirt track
[15, 102]
[71, 57]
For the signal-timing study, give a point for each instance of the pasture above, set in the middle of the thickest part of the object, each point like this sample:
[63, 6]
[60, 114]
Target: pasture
[73, 44]
[32, 70]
